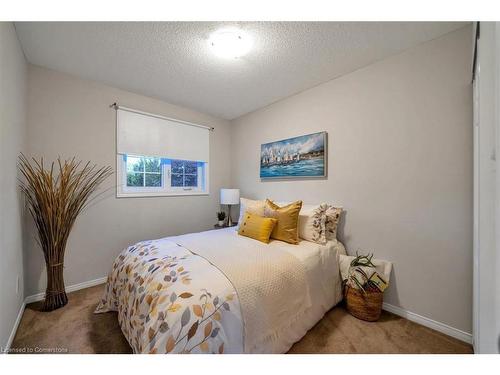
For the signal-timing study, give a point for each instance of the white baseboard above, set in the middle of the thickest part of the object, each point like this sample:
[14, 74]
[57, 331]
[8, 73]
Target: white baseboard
[71, 288]
[41, 296]
[14, 328]
[422, 320]
[429, 323]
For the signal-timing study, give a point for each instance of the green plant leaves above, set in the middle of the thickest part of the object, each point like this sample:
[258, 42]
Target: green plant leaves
[362, 260]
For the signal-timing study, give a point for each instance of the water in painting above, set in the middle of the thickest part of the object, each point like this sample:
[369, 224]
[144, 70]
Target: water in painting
[302, 156]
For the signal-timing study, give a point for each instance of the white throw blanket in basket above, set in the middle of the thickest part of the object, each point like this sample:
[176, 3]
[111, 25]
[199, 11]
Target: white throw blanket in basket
[383, 267]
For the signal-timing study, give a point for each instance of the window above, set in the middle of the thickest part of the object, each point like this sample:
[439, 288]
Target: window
[143, 171]
[184, 173]
[160, 176]
[157, 156]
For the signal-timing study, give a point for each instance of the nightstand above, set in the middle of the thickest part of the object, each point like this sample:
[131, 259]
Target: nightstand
[217, 226]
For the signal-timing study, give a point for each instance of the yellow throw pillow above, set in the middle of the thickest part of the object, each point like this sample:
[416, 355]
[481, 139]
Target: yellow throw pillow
[288, 220]
[257, 227]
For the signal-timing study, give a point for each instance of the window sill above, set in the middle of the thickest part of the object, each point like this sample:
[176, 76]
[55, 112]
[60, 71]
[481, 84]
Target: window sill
[159, 194]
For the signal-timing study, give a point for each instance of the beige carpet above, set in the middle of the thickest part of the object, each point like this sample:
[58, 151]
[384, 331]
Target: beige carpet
[76, 329]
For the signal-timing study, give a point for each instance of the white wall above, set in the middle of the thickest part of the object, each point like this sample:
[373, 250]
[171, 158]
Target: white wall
[70, 117]
[400, 162]
[13, 72]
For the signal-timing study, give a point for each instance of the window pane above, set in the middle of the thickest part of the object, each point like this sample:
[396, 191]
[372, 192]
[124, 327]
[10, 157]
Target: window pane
[177, 180]
[177, 166]
[153, 179]
[191, 180]
[152, 164]
[145, 174]
[135, 164]
[190, 167]
[135, 179]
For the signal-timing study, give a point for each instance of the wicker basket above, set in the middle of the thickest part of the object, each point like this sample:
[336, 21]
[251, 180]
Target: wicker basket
[364, 306]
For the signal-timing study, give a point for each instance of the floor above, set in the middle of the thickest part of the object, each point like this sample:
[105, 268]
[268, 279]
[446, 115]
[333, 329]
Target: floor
[76, 329]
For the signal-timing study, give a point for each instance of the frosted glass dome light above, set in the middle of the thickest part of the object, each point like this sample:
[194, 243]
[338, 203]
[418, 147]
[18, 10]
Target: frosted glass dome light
[230, 43]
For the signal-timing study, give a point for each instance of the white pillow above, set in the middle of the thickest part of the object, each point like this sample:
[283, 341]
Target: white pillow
[332, 221]
[312, 223]
[252, 206]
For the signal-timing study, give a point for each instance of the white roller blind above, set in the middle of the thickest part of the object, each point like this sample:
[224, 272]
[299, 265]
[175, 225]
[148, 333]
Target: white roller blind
[139, 134]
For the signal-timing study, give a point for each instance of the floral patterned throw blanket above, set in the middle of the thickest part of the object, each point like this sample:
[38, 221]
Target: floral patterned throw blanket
[172, 301]
[209, 292]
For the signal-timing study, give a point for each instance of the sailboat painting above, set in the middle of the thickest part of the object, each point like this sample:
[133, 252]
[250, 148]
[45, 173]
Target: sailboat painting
[303, 156]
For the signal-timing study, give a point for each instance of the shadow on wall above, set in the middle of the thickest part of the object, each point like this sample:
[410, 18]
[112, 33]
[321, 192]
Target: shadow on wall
[24, 214]
[340, 228]
[392, 291]
[33, 261]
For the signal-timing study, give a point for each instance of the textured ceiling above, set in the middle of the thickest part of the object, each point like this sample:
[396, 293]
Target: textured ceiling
[172, 60]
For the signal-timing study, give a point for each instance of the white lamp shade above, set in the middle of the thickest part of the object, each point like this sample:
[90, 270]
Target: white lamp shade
[229, 196]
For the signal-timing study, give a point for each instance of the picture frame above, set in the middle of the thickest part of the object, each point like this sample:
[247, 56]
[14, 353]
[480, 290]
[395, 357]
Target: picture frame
[298, 157]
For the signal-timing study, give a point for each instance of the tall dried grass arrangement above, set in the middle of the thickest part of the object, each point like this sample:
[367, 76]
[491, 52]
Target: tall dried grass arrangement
[55, 197]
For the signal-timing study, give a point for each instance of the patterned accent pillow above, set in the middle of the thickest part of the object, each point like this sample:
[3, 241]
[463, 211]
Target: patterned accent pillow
[312, 223]
[332, 221]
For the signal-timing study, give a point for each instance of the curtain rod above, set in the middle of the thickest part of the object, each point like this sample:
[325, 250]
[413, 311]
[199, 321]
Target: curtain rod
[117, 107]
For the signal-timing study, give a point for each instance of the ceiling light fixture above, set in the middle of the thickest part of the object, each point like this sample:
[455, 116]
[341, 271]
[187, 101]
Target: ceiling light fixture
[230, 43]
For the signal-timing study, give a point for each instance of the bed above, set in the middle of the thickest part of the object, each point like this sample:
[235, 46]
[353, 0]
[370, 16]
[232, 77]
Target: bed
[219, 292]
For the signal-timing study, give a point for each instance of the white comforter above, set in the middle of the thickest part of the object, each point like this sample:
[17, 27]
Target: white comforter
[217, 292]
[271, 285]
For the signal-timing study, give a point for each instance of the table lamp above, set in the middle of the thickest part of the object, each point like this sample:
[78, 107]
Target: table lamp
[229, 197]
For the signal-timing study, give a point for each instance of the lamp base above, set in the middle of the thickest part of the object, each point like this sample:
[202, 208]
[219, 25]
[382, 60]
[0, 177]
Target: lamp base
[229, 220]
